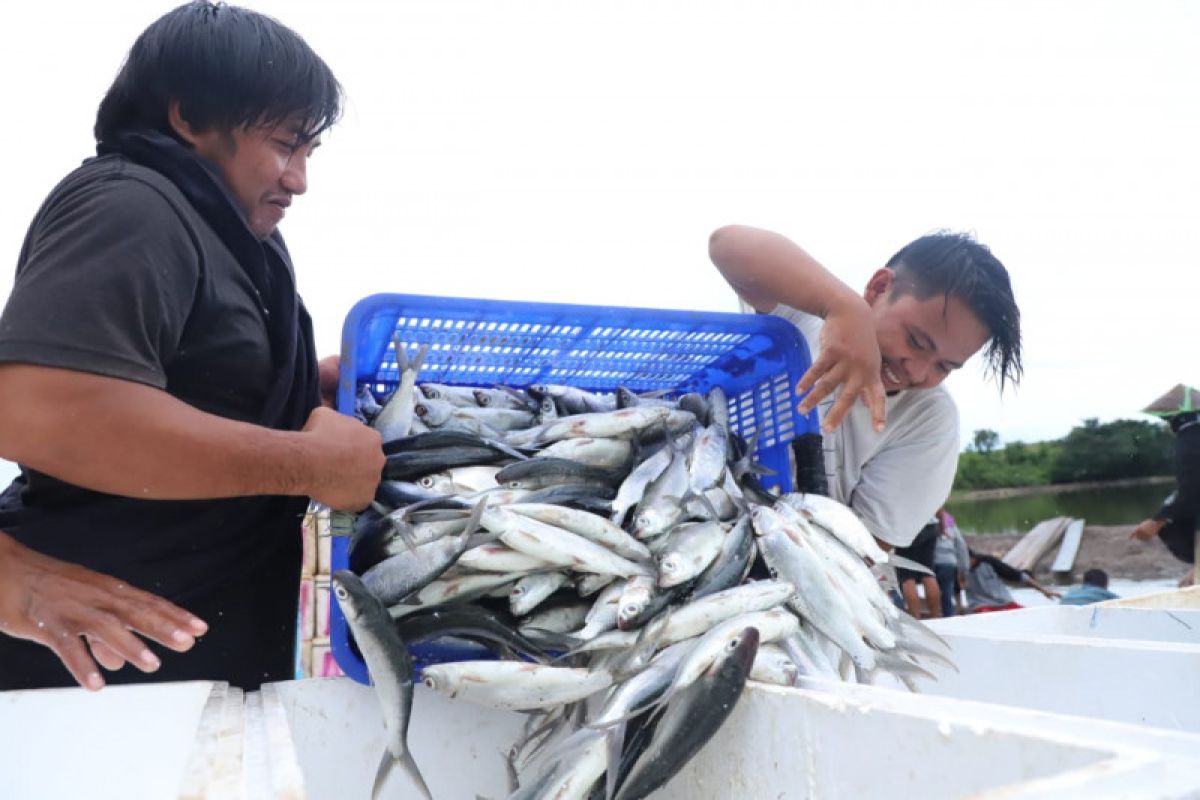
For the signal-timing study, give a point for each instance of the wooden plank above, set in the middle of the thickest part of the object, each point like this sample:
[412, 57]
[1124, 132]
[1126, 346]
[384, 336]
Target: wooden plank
[1030, 549]
[1069, 549]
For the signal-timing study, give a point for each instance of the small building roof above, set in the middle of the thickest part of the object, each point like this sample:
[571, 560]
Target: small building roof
[1179, 400]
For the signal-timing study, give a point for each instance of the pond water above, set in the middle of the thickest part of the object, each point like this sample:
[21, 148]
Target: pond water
[1114, 505]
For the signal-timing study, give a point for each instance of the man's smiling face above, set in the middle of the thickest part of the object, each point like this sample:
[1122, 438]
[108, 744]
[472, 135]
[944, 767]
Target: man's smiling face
[921, 340]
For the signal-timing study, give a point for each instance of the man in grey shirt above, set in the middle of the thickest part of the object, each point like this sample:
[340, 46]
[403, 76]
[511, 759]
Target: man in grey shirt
[933, 305]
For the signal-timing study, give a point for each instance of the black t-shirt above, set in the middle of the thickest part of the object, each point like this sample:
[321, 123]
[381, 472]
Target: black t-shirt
[120, 276]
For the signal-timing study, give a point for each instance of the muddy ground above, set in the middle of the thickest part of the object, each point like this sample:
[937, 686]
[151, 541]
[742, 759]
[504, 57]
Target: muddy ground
[1105, 546]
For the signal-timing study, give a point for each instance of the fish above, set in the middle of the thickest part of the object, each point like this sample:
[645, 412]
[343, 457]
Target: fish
[514, 685]
[557, 546]
[466, 621]
[592, 527]
[395, 418]
[690, 720]
[391, 669]
[690, 552]
[527, 593]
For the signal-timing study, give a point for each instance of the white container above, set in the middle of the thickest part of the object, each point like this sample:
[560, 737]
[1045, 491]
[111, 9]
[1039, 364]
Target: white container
[848, 742]
[1108, 661]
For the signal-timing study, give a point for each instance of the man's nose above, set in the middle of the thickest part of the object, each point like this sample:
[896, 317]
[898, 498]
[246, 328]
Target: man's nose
[295, 174]
[919, 369]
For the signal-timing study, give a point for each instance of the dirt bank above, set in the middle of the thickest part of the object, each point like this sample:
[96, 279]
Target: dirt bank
[1020, 491]
[1105, 546]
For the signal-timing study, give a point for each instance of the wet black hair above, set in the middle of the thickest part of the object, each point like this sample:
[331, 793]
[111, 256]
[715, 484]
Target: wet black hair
[1096, 577]
[228, 67]
[955, 265]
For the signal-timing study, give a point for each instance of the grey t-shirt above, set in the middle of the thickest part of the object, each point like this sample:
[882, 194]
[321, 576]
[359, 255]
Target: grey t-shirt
[895, 480]
[114, 281]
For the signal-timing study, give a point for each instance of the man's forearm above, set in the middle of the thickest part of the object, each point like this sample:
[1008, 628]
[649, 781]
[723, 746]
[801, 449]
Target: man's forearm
[129, 439]
[766, 269]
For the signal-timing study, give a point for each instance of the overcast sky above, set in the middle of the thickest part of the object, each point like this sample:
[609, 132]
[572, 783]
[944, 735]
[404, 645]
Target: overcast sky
[583, 151]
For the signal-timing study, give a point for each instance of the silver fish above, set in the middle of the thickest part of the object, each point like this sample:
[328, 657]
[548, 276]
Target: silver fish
[391, 669]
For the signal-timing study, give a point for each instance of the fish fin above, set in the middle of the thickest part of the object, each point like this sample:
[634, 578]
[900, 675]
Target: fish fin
[901, 666]
[922, 630]
[402, 364]
[614, 742]
[386, 762]
[409, 765]
[510, 768]
[635, 712]
[419, 359]
[405, 532]
[649, 639]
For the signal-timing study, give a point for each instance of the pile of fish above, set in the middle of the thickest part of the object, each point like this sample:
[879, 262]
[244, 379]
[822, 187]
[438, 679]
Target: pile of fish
[619, 557]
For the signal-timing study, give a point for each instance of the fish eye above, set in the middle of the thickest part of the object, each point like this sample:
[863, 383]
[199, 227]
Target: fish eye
[734, 642]
[630, 610]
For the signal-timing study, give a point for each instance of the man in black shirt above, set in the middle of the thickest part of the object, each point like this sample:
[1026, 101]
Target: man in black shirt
[1175, 522]
[158, 384]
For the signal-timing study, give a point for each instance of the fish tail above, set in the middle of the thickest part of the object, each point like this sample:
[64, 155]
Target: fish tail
[614, 741]
[381, 775]
[414, 773]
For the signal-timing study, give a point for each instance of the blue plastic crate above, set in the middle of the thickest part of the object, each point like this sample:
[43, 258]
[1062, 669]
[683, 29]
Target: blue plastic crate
[756, 359]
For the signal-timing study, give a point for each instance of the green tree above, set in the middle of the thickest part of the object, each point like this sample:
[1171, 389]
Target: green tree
[1124, 448]
[985, 441]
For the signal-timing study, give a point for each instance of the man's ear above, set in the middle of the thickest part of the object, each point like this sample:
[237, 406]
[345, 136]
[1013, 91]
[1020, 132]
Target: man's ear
[181, 126]
[879, 285]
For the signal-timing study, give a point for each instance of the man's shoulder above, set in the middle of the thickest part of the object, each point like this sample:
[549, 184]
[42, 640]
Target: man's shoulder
[120, 193]
[123, 184]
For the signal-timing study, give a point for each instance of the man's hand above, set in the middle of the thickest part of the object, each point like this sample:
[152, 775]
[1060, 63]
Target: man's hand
[70, 609]
[328, 371]
[849, 358]
[1052, 594]
[347, 462]
[1147, 530]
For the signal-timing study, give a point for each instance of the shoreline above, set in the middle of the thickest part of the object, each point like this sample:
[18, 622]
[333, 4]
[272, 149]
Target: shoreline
[1021, 491]
[1107, 547]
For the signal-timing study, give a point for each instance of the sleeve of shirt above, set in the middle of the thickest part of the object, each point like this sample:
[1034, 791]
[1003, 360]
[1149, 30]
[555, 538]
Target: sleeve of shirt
[1003, 570]
[1184, 502]
[106, 282]
[961, 554]
[905, 484]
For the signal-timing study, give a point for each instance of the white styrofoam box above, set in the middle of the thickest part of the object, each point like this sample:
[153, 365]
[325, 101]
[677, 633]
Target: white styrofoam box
[837, 742]
[121, 742]
[1130, 665]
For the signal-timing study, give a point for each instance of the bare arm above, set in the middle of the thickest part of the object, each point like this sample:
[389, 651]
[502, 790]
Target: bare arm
[129, 439]
[1028, 580]
[767, 269]
[72, 610]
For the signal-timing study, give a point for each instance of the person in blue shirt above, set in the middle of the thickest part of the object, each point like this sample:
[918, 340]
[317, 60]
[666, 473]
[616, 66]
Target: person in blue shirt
[1093, 590]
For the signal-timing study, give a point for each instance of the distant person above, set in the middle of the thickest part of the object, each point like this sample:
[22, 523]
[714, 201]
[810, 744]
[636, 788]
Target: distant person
[986, 587]
[880, 356]
[1093, 590]
[1175, 522]
[951, 563]
[920, 551]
